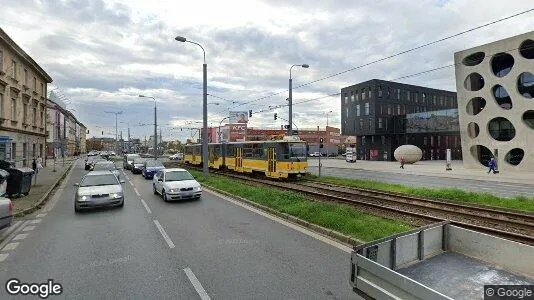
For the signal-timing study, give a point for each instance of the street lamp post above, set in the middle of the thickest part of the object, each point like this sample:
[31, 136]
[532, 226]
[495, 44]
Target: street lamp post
[205, 167]
[155, 126]
[116, 128]
[220, 124]
[326, 132]
[290, 130]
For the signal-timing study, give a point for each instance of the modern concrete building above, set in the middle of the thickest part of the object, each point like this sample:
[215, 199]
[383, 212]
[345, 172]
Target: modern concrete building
[384, 115]
[495, 84]
[23, 99]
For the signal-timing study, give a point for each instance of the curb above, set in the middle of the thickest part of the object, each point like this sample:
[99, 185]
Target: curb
[45, 197]
[339, 237]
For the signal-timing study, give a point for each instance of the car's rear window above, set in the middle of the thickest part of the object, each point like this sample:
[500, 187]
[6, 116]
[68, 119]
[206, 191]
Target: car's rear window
[104, 166]
[154, 163]
[178, 176]
[96, 180]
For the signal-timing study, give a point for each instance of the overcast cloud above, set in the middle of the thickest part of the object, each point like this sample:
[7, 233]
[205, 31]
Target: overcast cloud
[102, 54]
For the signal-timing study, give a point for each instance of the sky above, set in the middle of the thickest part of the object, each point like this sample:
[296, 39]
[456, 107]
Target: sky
[102, 54]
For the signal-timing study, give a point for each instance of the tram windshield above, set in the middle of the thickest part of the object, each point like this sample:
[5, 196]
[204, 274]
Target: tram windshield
[297, 150]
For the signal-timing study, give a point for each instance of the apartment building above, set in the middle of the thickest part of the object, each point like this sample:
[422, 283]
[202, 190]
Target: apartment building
[23, 102]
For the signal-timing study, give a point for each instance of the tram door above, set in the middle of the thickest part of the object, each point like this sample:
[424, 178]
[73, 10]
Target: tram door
[238, 157]
[271, 158]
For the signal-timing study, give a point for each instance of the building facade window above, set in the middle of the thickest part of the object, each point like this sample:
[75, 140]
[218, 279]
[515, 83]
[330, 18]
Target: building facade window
[347, 112]
[346, 98]
[379, 91]
[1, 105]
[357, 110]
[416, 97]
[14, 69]
[34, 83]
[408, 96]
[370, 93]
[379, 123]
[361, 124]
[389, 110]
[398, 109]
[367, 108]
[398, 94]
[424, 97]
[25, 115]
[1, 60]
[42, 117]
[370, 123]
[425, 140]
[43, 89]
[25, 77]
[34, 116]
[13, 109]
[431, 141]
[352, 96]
[363, 94]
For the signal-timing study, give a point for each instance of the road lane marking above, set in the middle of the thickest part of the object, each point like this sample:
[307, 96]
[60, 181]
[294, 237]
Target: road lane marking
[41, 215]
[20, 236]
[3, 256]
[296, 227]
[196, 284]
[11, 246]
[137, 192]
[28, 228]
[36, 221]
[164, 234]
[146, 206]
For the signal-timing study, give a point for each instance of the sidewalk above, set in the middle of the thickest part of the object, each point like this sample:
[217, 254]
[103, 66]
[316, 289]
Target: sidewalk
[429, 168]
[45, 180]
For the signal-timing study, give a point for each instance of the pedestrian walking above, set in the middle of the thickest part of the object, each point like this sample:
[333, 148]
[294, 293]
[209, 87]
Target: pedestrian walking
[492, 166]
[34, 164]
[402, 162]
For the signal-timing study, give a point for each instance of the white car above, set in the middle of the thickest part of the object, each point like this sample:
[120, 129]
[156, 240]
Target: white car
[176, 184]
[177, 156]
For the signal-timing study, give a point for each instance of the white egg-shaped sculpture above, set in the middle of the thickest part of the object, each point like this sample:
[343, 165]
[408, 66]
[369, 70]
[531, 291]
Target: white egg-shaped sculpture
[410, 153]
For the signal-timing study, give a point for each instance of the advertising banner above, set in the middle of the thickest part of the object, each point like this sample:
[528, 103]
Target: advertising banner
[237, 132]
[238, 117]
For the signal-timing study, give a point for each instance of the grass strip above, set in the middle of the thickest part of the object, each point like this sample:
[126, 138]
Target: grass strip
[338, 217]
[518, 203]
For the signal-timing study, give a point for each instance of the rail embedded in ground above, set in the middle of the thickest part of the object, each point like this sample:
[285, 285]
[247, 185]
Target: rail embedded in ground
[512, 225]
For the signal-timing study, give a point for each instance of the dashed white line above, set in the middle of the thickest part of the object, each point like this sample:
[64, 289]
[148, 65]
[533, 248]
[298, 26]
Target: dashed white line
[3, 256]
[28, 228]
[36, 221]
[146, 206]
[137, 192]
[196, 284]
[20, 236]
[164, 234]
[41, 215]
[10, 246]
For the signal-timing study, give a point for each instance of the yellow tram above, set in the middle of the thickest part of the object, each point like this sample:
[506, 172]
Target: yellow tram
[275, 159]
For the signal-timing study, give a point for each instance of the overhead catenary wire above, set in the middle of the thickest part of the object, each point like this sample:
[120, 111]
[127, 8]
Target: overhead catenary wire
[391, 56]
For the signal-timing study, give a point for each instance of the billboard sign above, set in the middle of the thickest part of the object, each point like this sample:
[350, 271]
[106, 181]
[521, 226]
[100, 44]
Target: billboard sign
[237, 132]
[238, 117]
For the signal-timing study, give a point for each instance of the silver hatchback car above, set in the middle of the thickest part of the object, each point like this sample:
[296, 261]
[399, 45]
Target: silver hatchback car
[98, 189]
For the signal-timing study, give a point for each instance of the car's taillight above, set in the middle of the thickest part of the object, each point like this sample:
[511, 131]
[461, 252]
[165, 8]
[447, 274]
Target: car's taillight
[11, 206]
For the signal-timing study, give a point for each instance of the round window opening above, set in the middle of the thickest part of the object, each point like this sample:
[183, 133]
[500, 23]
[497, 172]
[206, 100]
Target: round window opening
[501, 129]
[502, 64]
[474, 82]
[474, 59]
[514, 156]
[525, 85]
[527, 49]
[502, 97]
[481, 154]
[473, 130]
[475, 106]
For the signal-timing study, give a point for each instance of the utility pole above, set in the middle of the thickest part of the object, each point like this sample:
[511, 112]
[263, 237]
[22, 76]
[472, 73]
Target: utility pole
[116, 128]
[155, 126]
[129, 141]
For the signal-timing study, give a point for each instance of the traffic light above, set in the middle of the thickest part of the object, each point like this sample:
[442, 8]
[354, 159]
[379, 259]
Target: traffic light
[102, 132]
[275, 116]
[321, 140]
[250, 113]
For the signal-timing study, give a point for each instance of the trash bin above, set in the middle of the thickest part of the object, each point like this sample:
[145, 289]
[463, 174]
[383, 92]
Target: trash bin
[20, 181]
[3, 182]
[4, 164]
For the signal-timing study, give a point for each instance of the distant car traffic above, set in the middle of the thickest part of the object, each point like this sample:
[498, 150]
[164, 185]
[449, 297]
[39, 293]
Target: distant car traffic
[128, 160]
[98, 189]
[177, 156]
[90, 161]
[106, 165]
[176, 184]
[150, 168]
[315, 154]
[137, 165]
[92, 153]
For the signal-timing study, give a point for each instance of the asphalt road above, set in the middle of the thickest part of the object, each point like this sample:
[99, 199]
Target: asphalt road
[207, 249]
[495, 188]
